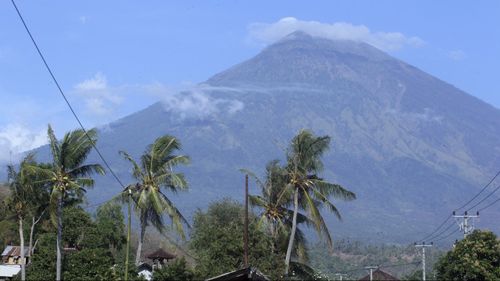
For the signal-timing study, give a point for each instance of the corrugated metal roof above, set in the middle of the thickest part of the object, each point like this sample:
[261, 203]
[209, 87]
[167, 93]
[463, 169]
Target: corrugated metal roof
[6, 250]
[9, 270]
[15, 251]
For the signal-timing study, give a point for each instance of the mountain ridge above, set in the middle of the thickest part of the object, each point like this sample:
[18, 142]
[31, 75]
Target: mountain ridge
[409, 144]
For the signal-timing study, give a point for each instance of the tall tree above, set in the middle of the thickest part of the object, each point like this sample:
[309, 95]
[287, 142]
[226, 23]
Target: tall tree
[69, 176]
[310, 192]
[155, 171]
[20, 199]
[275, 215]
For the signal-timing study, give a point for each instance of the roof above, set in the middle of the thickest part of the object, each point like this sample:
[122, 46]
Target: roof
[249, 273]
[9, 270]
[14, 251]
[160, 254]
[380, 275]
[144, 266]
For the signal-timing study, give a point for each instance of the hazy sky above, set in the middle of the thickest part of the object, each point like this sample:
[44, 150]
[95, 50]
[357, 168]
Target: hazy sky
[116, 57]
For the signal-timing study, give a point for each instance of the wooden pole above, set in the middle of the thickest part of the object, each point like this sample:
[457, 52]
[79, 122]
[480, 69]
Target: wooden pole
[245, 245]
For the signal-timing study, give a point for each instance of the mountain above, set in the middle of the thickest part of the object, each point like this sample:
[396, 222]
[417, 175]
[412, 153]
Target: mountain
[411, 146]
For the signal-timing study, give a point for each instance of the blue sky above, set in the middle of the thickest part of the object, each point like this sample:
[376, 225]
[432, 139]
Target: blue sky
[113, 58]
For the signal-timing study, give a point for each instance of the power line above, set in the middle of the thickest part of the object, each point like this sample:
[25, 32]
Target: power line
[487, 196]
[465, 204]
[442, 232]
[482, 190]
[489, 205]
[436, 230]
[64, 96]
[442, 238]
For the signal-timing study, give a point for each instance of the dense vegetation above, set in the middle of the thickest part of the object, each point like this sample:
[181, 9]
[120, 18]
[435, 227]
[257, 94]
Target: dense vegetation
[476, 257]
[42, 212]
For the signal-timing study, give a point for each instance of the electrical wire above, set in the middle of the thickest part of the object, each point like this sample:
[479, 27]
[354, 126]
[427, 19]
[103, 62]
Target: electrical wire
[442, 232]
[444, 237]
[484, 199]
[482, 190]
[465, 204]
[437, 229]
[64, 96]
[489, 205]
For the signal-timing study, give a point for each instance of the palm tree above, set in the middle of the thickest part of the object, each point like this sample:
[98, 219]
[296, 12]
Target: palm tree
[20, 200]
[68, 176]
[310, 192]
[154, 172]
[276, 216]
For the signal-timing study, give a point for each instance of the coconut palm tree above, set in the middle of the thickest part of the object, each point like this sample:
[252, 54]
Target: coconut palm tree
[20, 200]
[153, 172]
[310, 192]
[28, 198]
[68, 176]
[276, 217]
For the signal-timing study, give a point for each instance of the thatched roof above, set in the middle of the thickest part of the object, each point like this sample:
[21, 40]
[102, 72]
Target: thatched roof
[160, 254]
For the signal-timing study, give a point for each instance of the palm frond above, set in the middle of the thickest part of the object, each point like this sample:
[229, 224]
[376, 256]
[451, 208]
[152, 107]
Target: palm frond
[136, 171]
[54, 147]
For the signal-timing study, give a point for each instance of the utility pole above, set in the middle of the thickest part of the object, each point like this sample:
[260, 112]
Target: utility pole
[340, 275]
[467, 225]
[246, 224]
[423, 246]
[129, 222]
[371, 268]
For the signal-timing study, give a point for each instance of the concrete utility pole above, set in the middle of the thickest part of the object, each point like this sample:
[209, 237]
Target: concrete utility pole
[423, 246]
[245, 242]
[467, 225]
[340, 275]
[371, 268]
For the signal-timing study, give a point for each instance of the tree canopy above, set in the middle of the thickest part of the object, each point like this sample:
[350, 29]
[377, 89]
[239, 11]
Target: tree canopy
[476, 257]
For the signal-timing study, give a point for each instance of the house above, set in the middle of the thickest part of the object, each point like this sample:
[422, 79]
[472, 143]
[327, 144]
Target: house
[8, 271]
[12, 255]
[159, 258]
[145, 271]
[246, 274]
[379, 275]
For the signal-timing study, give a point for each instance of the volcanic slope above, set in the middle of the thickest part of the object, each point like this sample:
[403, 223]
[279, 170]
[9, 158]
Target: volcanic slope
[411, 146]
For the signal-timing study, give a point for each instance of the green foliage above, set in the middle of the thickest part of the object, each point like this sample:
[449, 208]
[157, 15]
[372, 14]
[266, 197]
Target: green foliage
[353, 256]
[176, 270]
[153, 172]
[88, 264]
[217, 239]
[275, 216]
[92, 259]
[43, 263]
[109, 220]
[475, 258]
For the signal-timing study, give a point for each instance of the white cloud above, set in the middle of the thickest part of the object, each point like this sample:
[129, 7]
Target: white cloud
[457, 55]
[388, 41]
[99, 98]
[194, 102]
[17, 138]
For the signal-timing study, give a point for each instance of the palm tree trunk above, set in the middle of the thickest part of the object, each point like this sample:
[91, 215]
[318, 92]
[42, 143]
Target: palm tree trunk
[294, 229]
[128, 238]
[139, 245]
[272, 226]
[21, 238]
[32, 233]
[59, 239]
